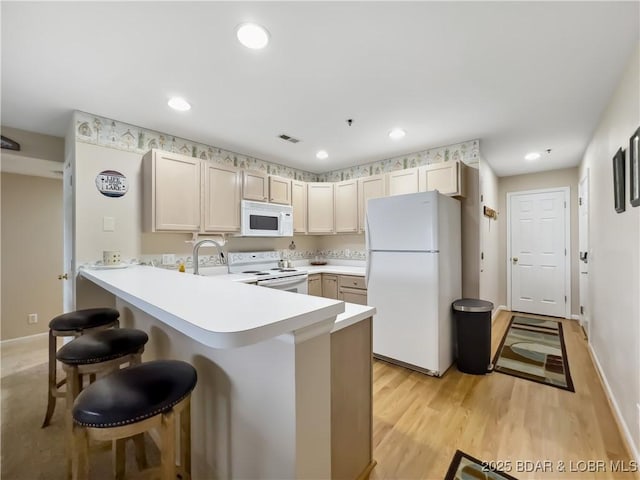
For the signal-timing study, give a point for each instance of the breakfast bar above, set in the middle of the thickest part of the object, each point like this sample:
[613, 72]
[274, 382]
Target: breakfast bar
[275, 369]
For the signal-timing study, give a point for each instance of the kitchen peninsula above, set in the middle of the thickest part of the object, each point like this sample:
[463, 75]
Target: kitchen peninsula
[284, 380]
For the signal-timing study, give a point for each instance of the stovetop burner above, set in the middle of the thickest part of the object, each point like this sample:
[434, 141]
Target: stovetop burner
[251, 271]
[280, 269]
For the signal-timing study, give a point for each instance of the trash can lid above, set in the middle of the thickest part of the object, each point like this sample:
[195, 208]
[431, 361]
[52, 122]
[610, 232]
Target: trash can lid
[472, 305]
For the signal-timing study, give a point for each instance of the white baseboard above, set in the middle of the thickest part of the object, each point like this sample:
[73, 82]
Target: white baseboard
[633, 449]
[575, 317]
[498, 309]
[23, 339]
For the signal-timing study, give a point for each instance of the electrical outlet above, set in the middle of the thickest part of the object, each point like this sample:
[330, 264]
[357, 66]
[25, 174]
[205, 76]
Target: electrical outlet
[32, 318]
[168, 259]
[347, 252]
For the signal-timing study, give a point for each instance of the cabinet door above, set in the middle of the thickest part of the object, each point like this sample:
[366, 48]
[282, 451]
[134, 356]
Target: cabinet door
[255, 186]
[369, 187]
[444, 177]
[175, 192]
[353, 295]
[320, 207]
[346, 206]
[330, 286]
[221, 198]
[279, 190]
[315, 285]
[403, 181]
[299, 204]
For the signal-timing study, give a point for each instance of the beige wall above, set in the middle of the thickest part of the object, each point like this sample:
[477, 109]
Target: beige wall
[614, 242]
[567, 177]
[91, 206]
[470, 218]
[489, 230]
[36, 145]
[159, 243]
[31, 253]
[353, 242]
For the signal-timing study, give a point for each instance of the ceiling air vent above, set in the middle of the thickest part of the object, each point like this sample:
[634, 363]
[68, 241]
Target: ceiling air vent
[288, 138]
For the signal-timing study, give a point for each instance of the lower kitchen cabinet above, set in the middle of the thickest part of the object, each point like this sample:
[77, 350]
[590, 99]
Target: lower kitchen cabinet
[314, 285]
[352, 289]
[330, 286]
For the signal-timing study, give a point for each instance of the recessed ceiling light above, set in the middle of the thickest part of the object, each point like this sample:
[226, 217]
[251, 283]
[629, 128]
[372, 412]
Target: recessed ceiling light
[322, 154]
[397, 133]
[532, 156]
[252, 36]
[179, 103]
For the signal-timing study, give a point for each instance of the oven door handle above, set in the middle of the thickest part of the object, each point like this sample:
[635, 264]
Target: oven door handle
[281, 282]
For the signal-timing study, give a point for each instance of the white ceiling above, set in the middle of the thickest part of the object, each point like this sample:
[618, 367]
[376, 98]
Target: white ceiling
[519, 76]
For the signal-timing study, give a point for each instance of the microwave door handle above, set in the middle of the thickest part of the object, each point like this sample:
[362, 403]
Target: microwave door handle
[281, 224]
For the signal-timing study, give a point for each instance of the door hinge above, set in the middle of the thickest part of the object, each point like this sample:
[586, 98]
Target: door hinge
[481, 198]
[565, 252]
[581, 310]
[565, 299]
[565, 204]
[579, 200]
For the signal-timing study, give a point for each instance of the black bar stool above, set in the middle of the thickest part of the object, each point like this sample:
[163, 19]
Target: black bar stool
[130, 402]
[72, 324]
[97, 354]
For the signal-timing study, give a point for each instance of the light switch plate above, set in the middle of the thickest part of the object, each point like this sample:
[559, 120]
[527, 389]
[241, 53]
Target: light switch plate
[108, 224]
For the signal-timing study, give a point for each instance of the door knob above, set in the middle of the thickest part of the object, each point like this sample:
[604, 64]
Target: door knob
[63, 277]
[514, 260]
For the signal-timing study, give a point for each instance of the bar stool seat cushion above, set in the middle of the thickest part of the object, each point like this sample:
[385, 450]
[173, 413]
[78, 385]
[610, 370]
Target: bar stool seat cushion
[134, 394]
[83, 319]
[101, 346]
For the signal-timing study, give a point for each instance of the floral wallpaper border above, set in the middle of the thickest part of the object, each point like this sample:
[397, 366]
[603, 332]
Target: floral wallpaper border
[214, 260]
[109, 133]
[103, 131]
[468, 152]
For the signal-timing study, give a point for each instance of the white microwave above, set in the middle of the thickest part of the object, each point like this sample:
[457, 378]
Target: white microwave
[260, 219]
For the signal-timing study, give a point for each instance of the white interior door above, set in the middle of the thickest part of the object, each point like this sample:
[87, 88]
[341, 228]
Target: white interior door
[583, 229]
[538, 240]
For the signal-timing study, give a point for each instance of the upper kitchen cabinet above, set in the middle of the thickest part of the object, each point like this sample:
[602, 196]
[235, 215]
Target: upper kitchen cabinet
[171, 192]
[447, 178]
[320, 207]
[402, 181]
[255, 186]
[346, 206]
[222, 184]
[299, 204]
[369, 187]
[279, 190]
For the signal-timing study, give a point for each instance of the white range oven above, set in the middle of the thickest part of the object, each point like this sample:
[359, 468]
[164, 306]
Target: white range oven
[264, 265]
[294, 283]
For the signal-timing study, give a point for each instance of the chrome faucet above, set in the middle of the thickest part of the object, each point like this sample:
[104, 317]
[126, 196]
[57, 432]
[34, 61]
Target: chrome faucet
[196, 249]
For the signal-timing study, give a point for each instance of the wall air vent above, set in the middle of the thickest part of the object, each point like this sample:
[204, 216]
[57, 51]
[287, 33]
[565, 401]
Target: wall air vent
[288, 138]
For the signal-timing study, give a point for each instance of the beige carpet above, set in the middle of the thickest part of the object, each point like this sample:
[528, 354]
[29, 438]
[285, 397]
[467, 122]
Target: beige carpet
[30, 452]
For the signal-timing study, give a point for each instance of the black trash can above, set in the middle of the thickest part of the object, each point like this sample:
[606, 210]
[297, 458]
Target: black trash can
[473, 335]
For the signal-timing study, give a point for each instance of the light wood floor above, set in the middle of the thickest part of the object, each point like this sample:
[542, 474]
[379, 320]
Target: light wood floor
[420, 421]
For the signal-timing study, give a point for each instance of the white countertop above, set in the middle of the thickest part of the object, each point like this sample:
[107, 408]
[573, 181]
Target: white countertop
[353, 313]
[213, 310]
[337, 269]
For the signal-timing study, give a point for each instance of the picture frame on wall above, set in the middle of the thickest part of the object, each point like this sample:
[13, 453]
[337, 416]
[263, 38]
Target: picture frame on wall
[618, 181]
[634, 169]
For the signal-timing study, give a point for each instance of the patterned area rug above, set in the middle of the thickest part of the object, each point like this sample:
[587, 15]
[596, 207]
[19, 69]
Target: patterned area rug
[533, 349]
[465, 467]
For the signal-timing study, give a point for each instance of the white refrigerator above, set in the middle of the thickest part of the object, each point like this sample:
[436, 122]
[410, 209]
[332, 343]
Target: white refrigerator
[413, 275]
